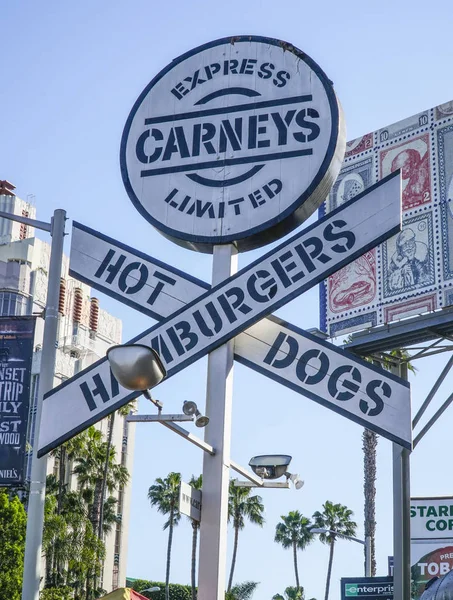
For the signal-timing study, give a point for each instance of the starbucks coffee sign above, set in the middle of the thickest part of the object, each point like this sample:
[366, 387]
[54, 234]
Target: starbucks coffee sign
[237, 141]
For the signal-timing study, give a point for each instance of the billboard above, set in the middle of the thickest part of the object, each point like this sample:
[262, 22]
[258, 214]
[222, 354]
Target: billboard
[16, 353]
[431, 540]
[371, 588]
[411, 273]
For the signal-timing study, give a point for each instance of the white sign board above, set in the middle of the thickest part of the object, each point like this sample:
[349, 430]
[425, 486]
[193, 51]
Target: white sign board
[230, 307]
[330, 376]
[431, 518]
[237, 137]
[367, 404]
[190, 501]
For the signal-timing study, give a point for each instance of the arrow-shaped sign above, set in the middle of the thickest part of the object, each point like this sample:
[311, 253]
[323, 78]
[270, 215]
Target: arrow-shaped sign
[232, 306]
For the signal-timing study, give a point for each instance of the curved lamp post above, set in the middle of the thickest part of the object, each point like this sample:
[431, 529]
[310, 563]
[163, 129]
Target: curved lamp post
[366, 542]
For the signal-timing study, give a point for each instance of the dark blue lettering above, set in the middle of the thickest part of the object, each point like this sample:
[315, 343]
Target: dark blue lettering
[302, 363]
[332, 386]
[122, 282]
[113, 270]
[140, 146]
[330, 236]
[269, 283]
[290, 353]
[371, 390]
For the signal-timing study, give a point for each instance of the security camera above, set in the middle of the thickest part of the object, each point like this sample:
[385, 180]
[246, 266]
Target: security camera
[270, 466]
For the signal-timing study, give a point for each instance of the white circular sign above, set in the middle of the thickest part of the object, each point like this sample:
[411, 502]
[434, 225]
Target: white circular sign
[237, 141]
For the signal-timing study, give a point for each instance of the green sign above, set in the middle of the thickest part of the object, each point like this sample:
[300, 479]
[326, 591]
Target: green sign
[371, 588]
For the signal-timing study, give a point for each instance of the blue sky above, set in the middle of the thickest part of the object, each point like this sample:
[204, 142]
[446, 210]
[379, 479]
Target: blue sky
[70, 75]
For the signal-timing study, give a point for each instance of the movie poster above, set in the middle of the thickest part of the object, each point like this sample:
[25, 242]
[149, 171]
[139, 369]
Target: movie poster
[16, 353]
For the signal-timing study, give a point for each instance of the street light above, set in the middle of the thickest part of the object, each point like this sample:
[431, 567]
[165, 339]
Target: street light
[366, 542]
[151, 589]
[137, 367]
[273, 466]
[190, 408]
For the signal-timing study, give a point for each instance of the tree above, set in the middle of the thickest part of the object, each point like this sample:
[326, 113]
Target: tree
[398, 358]
[369, 445]
[196, 483]
[90, 470]
[13, 522]
[291, 593]
[337, 519]
[164, 494]
[122, 412]
[241, 591]
[294, 532]
[242, 506]
[73, 551]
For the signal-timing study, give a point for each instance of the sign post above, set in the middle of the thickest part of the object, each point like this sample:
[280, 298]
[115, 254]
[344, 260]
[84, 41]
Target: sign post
[216, 468]
[35, 519]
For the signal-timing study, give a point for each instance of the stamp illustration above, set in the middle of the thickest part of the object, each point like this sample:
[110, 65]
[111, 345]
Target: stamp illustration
[403, 127]
[359, 145]
[445, 159]
[352, 180]
[354, 285]
[444, 110]
[408, 261]
[412, 157]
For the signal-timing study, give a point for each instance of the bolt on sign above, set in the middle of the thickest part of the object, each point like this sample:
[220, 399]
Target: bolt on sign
[236, 142]
[431, 539]
[190, 501]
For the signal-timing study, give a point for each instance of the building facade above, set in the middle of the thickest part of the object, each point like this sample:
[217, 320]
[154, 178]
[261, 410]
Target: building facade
[86, 331]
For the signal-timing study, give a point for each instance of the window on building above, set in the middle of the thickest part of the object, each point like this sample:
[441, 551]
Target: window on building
[23, 227]
[12, 304]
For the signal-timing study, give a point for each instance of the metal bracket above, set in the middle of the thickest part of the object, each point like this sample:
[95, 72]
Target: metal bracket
[158, 418]
[254, 480]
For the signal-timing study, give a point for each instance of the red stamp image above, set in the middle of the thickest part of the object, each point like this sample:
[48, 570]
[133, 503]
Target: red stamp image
[354, 285]
[444, 110]
[359, 145]
[412, 158]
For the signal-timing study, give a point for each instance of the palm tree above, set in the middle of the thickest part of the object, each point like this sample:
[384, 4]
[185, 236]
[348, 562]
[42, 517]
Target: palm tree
[291, 593]
[196, 483]
[294, 532]
[336, 518]
[369, 445]
[164, 494]
[241, 591]
[242, 505]
[90, 472]
[122, 412]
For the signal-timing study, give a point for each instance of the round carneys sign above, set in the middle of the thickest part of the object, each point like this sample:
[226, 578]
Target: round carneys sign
[237, 141]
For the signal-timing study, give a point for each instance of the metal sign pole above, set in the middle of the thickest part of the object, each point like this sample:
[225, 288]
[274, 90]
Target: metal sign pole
[401, 516]
[35, 518]
[216, 469]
